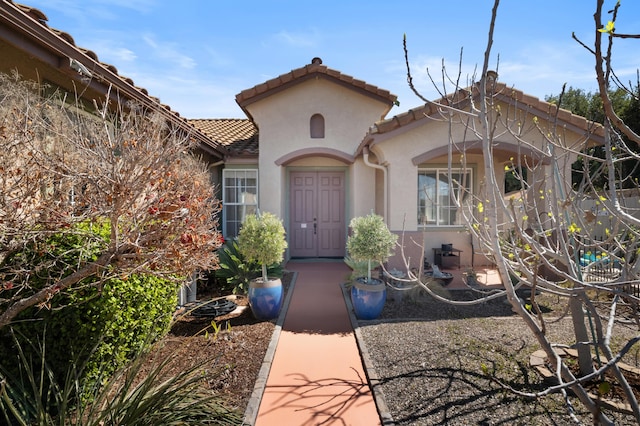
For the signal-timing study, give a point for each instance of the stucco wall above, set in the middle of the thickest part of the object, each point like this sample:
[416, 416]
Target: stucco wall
[363, 189]
[283, 120]
[399, 152]
[425, 143]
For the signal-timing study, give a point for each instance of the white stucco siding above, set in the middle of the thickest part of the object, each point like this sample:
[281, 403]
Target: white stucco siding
[271, 188]
[425, 143]
[398, 152]
[363, 188]
[428, 140]
[283, 120]
[316, 163]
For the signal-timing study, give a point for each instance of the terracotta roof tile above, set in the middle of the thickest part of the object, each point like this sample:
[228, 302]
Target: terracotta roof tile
[112, 68]
[316, 68]
[504, 93]
[33, 12]
[238, 135]
[41, 18]
[66, 36]
[134, 92]
[285, 78]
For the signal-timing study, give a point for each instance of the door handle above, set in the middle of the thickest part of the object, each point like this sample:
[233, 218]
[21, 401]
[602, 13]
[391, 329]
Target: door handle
[315, 226]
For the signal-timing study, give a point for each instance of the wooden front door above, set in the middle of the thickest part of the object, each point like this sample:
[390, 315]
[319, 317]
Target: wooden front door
[317, 214]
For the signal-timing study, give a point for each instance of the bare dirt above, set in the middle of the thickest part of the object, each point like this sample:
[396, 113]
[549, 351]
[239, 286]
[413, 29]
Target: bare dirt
[232, 347]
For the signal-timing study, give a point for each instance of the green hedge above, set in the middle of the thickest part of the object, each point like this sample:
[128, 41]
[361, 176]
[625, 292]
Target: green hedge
[105, 329]
[98, 328]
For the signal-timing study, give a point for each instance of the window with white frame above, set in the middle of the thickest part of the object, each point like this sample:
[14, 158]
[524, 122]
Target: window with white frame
[239, 199]
[437, 192]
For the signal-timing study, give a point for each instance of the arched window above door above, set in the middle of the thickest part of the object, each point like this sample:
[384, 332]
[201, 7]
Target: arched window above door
[316, 126]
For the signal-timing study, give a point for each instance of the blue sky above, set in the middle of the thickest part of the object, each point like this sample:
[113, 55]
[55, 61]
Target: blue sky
[196, 55]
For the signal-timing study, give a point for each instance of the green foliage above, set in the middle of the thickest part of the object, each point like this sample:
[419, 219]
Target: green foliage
[237, 271]
[101, 324]
[122, 320]
[514, 179]
[370, 240]
[57, 255]
[180, 399]
[589, 105]
[358, 268]
[134, 396]
[262, 239]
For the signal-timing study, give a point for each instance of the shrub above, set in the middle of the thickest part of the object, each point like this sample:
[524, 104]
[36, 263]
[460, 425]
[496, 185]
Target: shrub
[133, 397]
[237, 271]
[262, 239]
[99, 324]
[113, 324]
[370, 240]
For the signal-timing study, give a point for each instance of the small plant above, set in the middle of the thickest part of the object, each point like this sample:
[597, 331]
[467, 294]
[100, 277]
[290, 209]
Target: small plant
[262, 240]
[370, 241]
[217, 329]
[471, 277]
[358, 268]
[237, 271]
[134, 395]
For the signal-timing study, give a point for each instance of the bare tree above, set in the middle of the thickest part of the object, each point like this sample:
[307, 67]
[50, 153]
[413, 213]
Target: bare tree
[68, 168]
[564, 237]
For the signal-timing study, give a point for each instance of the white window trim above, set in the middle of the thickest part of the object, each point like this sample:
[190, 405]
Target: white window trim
[441, 170]
[225, 202]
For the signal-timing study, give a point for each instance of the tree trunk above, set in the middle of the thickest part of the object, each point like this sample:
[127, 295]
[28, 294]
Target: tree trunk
[582, 337]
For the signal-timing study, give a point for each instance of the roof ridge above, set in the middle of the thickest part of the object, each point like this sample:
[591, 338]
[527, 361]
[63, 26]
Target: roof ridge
[316, 67]
[517, 95]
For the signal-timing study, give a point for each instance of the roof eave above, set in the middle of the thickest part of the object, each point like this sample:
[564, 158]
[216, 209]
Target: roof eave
[314, 70]
[56, 51]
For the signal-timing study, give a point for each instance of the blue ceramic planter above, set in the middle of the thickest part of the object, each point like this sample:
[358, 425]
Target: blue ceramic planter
[265, 298]
[368, 299]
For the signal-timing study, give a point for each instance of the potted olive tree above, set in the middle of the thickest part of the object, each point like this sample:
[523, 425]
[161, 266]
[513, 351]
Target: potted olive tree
[370, 241]
[262, 239]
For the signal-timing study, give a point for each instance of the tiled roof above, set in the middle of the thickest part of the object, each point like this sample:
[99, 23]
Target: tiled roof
[238, 135]
[42, 19]
[63, 44]
[503, 93]
[312, 70]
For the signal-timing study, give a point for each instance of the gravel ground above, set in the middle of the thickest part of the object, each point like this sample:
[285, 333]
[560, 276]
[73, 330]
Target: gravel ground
[436, 362]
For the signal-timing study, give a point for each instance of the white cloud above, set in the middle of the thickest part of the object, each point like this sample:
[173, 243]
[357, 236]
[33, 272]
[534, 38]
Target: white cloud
[169, 52]
[542, 68]
[297, 39]
[193, 97]
[124, 54]
[111, 50]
